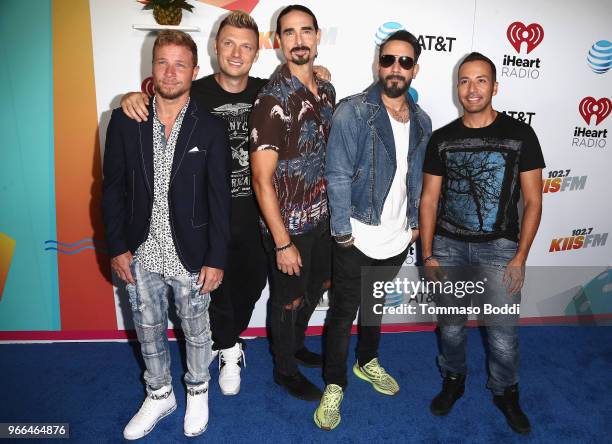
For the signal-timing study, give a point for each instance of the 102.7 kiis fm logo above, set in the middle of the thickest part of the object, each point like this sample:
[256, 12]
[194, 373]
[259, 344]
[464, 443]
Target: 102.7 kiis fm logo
[559, 181]
[528, 36]
[592, 110]
[580, 238]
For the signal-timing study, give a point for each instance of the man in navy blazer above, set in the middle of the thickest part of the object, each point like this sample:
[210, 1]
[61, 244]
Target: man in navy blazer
[166, 204]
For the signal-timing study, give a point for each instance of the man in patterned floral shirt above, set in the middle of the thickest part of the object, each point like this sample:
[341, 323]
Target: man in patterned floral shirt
[289, 125]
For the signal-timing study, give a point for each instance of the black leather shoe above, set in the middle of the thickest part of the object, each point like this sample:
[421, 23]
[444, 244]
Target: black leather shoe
[309, 359]
[298, 386]
[453, 387]
[508, 403]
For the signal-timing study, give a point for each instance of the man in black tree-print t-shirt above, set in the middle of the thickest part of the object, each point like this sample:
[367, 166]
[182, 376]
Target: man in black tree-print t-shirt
[475, 170]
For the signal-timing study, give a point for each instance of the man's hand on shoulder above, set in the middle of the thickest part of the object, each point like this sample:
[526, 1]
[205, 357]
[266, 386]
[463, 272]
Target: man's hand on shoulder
[135, 105]
[322, 72]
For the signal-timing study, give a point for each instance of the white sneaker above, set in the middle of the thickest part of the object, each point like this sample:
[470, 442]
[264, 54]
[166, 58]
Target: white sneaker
[158, 404]
[196, 414]
[229, 369]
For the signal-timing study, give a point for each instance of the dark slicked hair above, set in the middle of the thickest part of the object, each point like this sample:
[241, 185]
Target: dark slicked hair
[292, 8]
[404, 36]
[478, 57]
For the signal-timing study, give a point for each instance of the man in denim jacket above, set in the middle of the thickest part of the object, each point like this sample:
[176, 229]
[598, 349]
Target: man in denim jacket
[374, 164]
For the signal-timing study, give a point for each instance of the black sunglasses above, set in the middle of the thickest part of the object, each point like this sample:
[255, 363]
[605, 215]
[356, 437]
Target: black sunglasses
[387, 60]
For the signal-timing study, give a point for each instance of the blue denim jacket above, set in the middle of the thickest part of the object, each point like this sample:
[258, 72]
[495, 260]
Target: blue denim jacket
[360, 160]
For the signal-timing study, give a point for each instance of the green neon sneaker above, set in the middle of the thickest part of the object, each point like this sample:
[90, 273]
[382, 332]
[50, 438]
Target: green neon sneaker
[327, 415]
[373, 373]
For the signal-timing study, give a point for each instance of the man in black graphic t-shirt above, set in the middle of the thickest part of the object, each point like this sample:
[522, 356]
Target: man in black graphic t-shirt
[474, 172]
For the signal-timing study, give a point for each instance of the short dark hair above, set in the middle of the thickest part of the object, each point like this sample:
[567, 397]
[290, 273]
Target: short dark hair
[404, 36]
[478, 57]
[291, 8]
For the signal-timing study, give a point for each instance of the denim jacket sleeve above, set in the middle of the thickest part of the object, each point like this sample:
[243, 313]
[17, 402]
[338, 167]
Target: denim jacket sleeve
[339, 167]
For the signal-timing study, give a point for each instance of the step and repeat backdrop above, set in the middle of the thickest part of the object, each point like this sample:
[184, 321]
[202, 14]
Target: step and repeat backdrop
[76, 58]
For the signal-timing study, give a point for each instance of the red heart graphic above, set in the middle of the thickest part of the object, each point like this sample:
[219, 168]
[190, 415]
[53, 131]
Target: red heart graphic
[516, 35]
[590, 107]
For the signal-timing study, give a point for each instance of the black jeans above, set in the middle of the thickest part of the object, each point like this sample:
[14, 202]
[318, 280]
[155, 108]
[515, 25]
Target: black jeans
[346, 299]
[231, 305]
[288, 326]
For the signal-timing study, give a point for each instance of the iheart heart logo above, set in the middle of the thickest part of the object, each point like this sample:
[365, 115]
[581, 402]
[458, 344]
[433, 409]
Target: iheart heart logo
[518, 33]
[147, 86]
[590, 107]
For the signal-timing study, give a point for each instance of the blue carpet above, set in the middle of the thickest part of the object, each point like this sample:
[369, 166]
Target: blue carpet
[566, 390]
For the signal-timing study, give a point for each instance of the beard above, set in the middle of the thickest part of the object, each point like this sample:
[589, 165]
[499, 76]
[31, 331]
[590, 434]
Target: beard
[168, 94]
[303, 59]
[394, 86]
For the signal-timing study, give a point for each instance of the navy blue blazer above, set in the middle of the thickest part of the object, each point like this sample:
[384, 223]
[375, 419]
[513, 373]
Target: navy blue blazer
[199, 195]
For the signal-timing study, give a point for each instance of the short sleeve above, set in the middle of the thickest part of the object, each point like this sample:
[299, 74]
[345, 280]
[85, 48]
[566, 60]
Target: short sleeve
[267, 128]
[531, 156]
[433, 164]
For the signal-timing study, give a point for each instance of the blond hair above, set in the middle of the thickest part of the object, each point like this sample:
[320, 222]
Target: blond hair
[178, 38]
[239, 19]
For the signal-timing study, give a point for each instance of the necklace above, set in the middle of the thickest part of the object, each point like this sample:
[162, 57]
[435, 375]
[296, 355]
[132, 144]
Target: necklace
[401, 114]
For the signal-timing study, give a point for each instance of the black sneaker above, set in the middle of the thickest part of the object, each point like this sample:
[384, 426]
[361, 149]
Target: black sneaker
[306, 358]
[508, 403]
[298, 386]
[453, 387]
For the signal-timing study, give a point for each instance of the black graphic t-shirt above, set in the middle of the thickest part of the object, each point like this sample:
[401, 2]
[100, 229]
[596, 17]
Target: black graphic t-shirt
[234, 108]
[481, 183]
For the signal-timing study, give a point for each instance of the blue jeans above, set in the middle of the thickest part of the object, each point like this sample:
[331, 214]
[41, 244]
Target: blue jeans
[149, 303]
[487, 259]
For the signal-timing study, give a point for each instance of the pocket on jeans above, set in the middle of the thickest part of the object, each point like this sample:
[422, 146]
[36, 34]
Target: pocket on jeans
[196, 298]
[504, 244]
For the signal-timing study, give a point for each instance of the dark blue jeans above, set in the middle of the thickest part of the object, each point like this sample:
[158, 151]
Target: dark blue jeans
[487, 259]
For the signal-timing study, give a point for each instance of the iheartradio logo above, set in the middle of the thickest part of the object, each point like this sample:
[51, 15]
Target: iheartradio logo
[590, 107]
[518, 33]
[147, 86]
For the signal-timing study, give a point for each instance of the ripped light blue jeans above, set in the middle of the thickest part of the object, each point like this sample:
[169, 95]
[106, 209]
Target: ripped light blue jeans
[149, 303]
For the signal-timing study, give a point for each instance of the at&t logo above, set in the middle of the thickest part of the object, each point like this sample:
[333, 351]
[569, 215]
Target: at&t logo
[592, 109]
[599, 58]
[436, 43]
[531, 36]
[521, 116]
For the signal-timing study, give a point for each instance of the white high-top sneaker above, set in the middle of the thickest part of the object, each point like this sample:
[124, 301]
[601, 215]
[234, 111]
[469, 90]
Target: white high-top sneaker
[196, 415]
[229, 369]
[158, 404]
